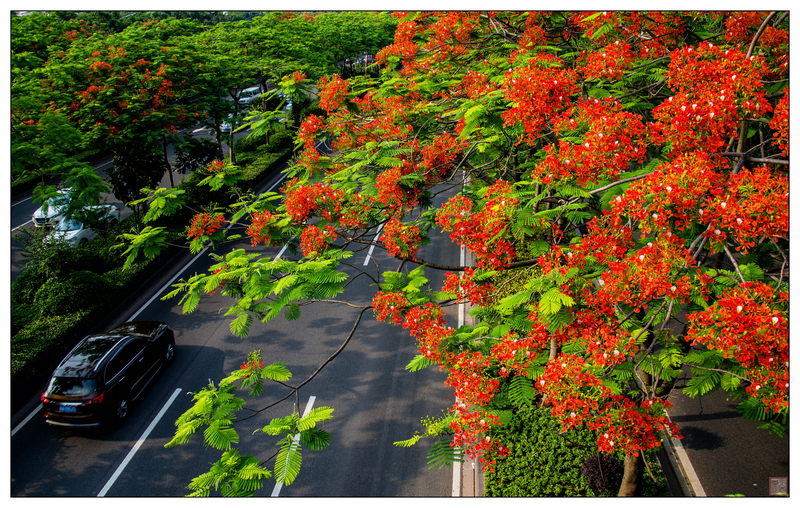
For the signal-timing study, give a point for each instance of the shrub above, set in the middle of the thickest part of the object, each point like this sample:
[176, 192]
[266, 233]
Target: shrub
[24, 287]
[541, 460]
[248, 144]
[43, 342]
[82, 290]
[603, 472]
[280, 141]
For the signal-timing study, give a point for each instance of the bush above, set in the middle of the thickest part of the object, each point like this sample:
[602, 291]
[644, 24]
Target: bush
[21, 316]
[43, 342]
[280, 141]
[603, 472]
[82, 290]
[541, 461]
[248, 144]
[24, 287]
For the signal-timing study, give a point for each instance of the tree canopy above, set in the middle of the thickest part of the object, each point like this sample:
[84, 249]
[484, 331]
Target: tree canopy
[620, 179]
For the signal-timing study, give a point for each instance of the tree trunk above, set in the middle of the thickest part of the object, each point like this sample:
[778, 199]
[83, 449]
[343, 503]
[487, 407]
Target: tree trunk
[632, 477]
[166, 160]
[553, 348]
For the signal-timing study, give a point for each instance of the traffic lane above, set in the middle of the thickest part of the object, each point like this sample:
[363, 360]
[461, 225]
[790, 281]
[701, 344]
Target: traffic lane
[729, 454]
[74, 462]
[382, 406]
[364, 392]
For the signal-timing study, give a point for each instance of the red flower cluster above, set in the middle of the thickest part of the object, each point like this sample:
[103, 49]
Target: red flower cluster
[427, 325]
[465, 289]
[260, 227]
[474, 85]
[303, 200]
[715, 88]
[483, 232]
[332, 93]
[205, 225]
[755, 205]
[388, 306]
[438, 156]
[780, 124]
[216, 166]
[513, 353]
[610, 62]
[750, 324]
[539, 91]
[401, 239]
[579, 398]
[313, 241]
[613, 139]
[397, 198]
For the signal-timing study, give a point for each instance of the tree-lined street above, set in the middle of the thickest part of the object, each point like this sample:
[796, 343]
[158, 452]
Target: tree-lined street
[552, 244]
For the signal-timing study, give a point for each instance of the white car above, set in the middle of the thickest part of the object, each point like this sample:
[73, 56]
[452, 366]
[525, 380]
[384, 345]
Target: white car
[55, 208]
[75, 232]
[249, 95]
[229, 124]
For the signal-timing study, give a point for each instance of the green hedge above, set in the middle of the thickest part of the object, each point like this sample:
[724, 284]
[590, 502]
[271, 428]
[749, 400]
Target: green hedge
[541, 462]
[544, 462]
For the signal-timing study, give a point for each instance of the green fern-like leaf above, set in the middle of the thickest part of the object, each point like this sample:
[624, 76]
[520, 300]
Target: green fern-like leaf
[220, 436]
[418, 363]
[441, 454]
[276, 372]
[703, 384]
[288, 461]
[315, 439]
[520, 391]
[315, 416]
[408, 443]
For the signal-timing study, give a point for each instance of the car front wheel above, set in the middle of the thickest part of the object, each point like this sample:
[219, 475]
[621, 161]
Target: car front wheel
[121, 409]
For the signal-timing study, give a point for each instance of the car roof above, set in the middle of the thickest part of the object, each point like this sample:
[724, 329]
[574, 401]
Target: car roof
[84, 359]
[140, 328]
[87, 355]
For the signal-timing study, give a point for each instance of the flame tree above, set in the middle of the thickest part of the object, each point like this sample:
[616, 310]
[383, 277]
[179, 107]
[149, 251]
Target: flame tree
[629, 170]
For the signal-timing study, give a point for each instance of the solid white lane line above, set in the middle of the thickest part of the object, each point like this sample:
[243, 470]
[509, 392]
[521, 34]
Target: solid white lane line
[280, 253]
[138, 444]
[309, 405]
[25, 224]
[26, 420]
[372, 247]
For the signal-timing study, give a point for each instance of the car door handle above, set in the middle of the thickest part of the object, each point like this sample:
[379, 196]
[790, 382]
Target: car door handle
[141, 359]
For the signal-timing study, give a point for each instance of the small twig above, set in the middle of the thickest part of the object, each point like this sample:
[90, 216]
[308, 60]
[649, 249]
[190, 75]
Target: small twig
[733, 261]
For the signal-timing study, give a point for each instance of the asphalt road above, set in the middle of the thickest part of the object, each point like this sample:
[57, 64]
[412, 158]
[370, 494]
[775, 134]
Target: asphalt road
[729, 454]
[376, 402]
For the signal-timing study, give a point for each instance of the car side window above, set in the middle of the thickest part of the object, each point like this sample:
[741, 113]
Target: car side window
[123, 357]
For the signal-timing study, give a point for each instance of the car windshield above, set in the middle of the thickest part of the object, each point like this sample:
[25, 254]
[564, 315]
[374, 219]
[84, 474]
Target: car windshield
[58, 201]
[69, 225]
[71, 386]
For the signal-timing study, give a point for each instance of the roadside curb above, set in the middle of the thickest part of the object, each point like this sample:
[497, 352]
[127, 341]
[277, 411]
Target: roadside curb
[682, 468]
[468, 480]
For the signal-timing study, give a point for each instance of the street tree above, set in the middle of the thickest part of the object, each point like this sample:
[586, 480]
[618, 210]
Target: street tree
[621, 181]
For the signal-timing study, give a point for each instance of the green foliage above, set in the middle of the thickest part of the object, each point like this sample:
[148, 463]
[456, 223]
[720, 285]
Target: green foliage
[542, 462]
[231, 475]
[81, 290]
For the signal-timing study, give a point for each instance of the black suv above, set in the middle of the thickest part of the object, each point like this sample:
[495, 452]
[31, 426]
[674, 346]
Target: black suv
[97, 381]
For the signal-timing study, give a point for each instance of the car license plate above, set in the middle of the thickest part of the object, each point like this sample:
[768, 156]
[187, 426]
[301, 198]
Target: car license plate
[66, 408]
